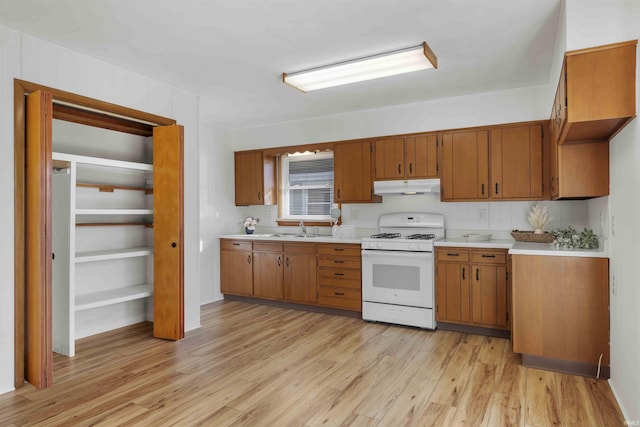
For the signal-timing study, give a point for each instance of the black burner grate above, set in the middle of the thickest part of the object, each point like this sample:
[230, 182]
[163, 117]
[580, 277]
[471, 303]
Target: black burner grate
[386, 236]
[421, 236]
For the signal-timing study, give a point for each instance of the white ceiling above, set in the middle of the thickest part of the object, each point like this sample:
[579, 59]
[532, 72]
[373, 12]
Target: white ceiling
[233, 52]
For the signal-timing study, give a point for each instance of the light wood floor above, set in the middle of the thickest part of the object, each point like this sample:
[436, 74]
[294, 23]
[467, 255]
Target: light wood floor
[253, 365]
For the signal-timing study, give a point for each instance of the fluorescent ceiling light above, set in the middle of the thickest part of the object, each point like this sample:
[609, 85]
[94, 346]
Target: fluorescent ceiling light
[372, 67]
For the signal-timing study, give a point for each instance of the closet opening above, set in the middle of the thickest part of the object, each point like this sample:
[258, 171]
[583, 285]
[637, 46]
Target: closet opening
[99, 224]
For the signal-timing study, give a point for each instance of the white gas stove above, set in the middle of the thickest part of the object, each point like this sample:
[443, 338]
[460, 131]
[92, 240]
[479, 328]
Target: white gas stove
[397, 269]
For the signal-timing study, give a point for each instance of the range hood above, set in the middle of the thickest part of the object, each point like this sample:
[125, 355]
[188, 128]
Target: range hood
[409, 186]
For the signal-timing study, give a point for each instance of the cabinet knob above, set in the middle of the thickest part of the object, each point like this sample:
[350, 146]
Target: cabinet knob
[496, 188]
[399, 169]
[174, 244]
[259, 195]
[279, 261]
[483, 189]
[287, 262]
[338, 194]
[410, 167]
[249, 259]
[477, 274]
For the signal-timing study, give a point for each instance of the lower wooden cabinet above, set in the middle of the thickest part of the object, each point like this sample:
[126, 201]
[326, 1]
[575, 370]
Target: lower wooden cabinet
[472, 287]
[300, 283]
[561, 312]
[340, 276]
[236, 267]
[268, 270]
[327, 275]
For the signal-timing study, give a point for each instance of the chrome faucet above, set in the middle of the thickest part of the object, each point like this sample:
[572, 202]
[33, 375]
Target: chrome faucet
[303, 228]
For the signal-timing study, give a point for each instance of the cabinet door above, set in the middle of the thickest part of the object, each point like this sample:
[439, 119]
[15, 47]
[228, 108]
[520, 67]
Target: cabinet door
[168, 232]
[421, 159]
[553, 166]
[353, 179]
[267, 274]
[39, 338]
[389, 158]
[452, 288]
[583, 170]
[236, 272]
[516, 162]
[249, 178]
[489, 295]
[465, 168]
[300, 277]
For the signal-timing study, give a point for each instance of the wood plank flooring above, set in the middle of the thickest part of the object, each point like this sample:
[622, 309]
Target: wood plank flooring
[255, 365]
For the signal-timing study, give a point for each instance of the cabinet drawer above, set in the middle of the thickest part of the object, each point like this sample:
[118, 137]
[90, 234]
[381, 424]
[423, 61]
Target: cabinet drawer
[339, 262]
[236, 245]
[489, 257]
[346, 293]
[267, 247]
[340, 302]
[300, 248]
[453, 254]
[343, 283]
[341, 250]
[339, 273]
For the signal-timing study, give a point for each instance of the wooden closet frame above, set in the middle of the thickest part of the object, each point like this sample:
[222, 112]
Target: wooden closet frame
[68, 107]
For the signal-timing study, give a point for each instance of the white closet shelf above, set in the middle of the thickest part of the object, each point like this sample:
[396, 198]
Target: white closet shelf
[113, 296]
[114, 211]
[98, 161]
[113, 254]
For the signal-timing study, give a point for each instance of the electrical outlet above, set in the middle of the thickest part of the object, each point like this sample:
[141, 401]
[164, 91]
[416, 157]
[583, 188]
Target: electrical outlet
[613, 225]
[613, 285]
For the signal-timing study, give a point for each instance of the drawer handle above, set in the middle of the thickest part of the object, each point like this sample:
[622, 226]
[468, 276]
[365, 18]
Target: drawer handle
[338, 249]
[452, 254]
[236, 244]
[338, 274]
[249, 259]
[477, 274]
[279, 261]
[488, 256]
[338, 261]
[339, 293]
[463, 278]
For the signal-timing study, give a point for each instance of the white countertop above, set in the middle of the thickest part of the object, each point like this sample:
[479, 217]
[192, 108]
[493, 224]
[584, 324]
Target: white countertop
[546, 249]
[289, 238]
[464, 243]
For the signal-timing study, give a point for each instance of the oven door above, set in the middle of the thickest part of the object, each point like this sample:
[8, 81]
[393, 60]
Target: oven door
[397, 277]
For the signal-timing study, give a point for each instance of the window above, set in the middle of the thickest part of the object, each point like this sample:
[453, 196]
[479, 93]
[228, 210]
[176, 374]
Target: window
[307, 186]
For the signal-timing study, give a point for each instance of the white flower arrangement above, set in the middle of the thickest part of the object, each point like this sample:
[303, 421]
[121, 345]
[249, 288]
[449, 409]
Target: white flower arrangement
[250, 222]
[539, 217]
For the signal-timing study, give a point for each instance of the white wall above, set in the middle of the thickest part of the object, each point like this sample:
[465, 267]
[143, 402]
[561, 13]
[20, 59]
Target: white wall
[28, 58]
[217, 208]
[594, 23]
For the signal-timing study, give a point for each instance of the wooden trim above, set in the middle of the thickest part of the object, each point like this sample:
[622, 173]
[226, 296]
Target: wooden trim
[430, 55]
[282, 304]
[476, 330]
[278, 151]
[565, 366]
[100, 120]
[19, 232]
[94, 104]
[110, 188]
[603, 47]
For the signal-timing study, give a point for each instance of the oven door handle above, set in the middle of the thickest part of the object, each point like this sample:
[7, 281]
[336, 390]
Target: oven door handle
[396, 254]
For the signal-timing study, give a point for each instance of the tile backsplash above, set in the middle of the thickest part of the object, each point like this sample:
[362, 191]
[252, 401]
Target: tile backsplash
[499, 218]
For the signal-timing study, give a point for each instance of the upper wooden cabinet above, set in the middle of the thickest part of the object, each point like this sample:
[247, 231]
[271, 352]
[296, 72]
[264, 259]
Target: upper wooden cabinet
[596, 93]
[500, 163]
[352, 174]
[411, 157]
[579, 171]
[465, 165]
[516, 162]
[255, 175]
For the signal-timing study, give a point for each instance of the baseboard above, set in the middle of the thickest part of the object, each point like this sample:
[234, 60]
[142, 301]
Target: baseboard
[304, 307]
[624, 411]
[565, 366]
[476, 330]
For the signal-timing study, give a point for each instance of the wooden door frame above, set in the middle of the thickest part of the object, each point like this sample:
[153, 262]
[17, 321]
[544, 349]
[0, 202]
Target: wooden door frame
[70, 107]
